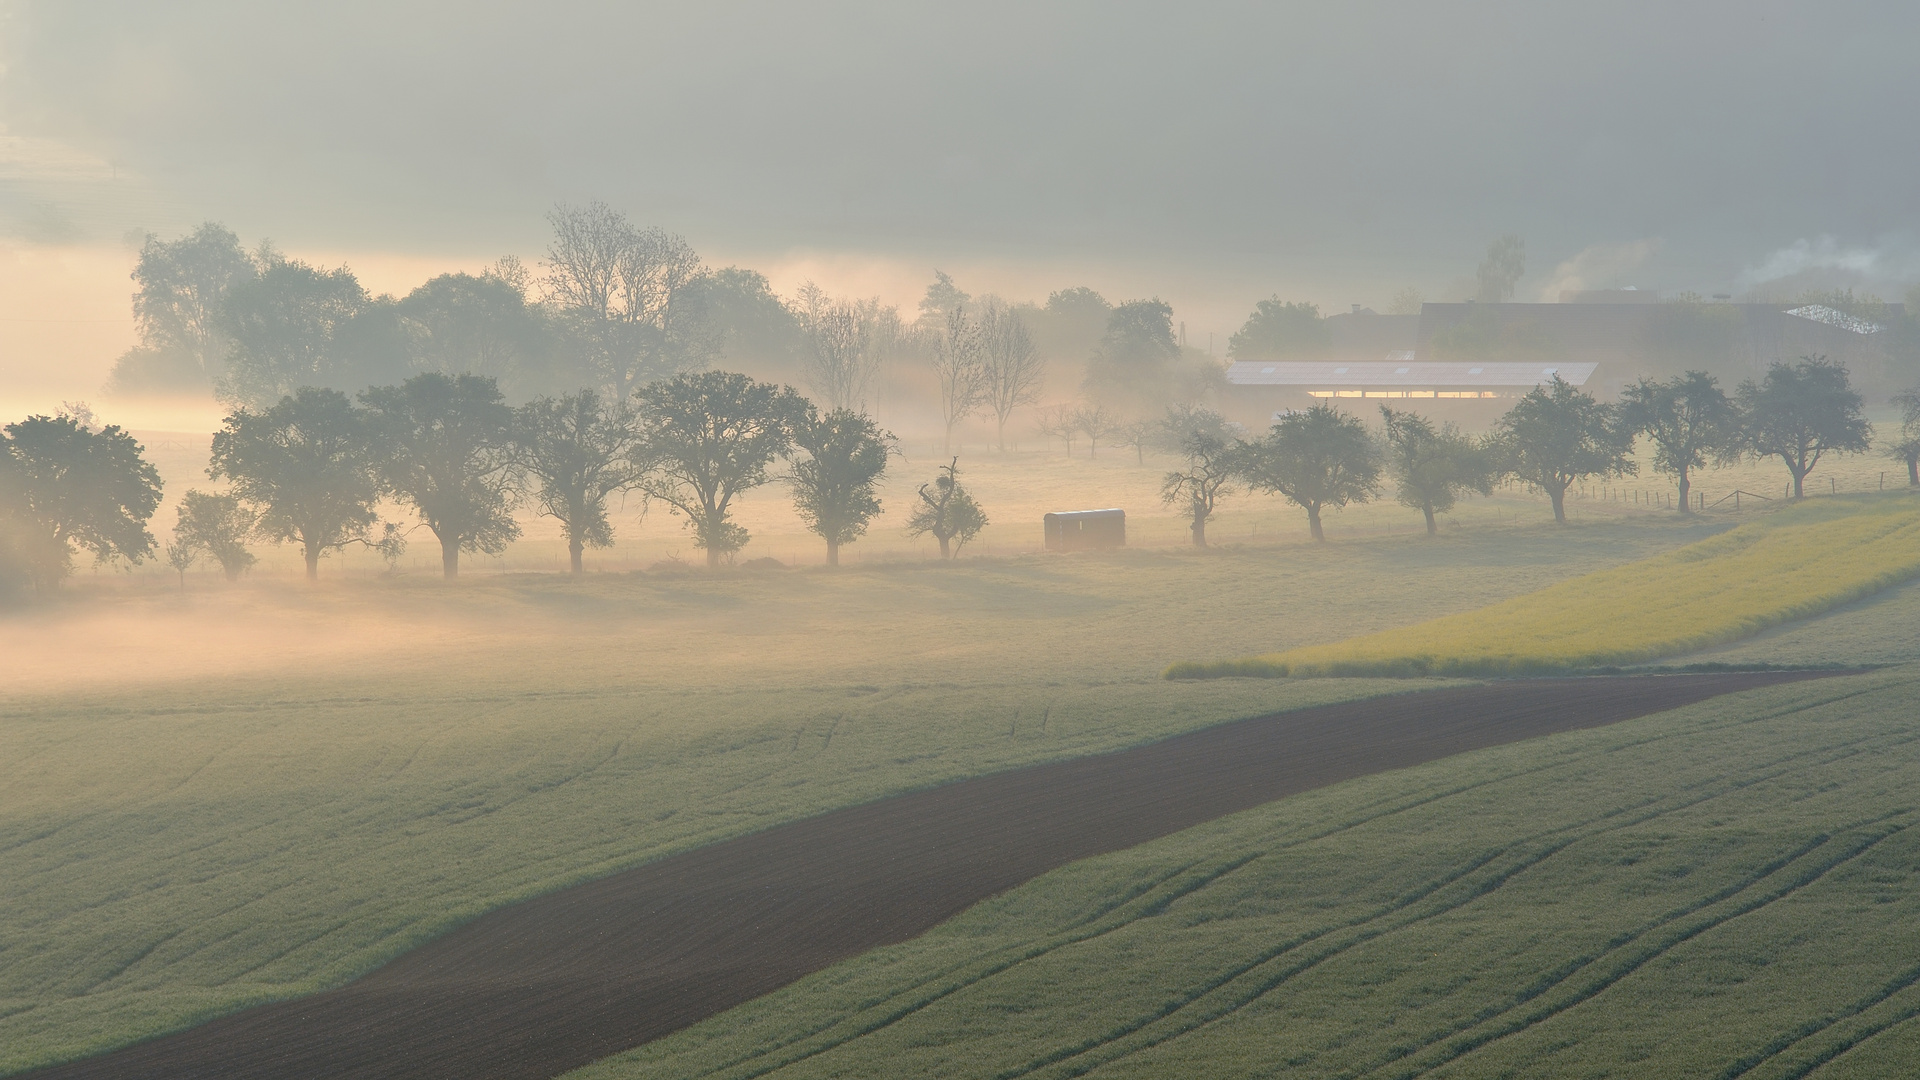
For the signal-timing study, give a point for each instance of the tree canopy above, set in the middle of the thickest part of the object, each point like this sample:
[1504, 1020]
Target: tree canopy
[1690, 420]
[65, 486]
[579, 449]
[833, 485]
[1432, 467]
[1558, 435]
[1213, 458]
[444, 443]
[710, 436]
[948, 512]
[1801, 412]
[305, 467]
[1317, 458]
[1279, 330]
[214, 525]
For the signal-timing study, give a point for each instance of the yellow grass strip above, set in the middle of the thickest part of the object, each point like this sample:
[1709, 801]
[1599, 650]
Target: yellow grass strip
[1799, 562]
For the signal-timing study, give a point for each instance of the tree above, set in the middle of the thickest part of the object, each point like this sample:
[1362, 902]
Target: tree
[284, 326]
[1316, 459]
[959, 363]
[1139, 434]
[942, 299]
[444, 443]
[748, 323]
[1800, 412]
[630, 297]
[1058, 423]
[180, 288]
[833, 487]
[1501, 270]
[1431, 467]
[1095, 423]
[710, 436]
[1015, 371]
[1690, 420]
[1135, 362]
[580, 449]
[1557, 435]
[1407, 301]
[217, 525]
[459, 324]
[1906, 448]
[1278, 330]
[1214, 460]
[305, 469]
[847, 343]
[69, 486]
[180, 558]
[948, 513]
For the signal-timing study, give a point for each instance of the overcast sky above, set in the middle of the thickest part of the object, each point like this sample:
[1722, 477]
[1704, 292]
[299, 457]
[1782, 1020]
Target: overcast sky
[1212, 152]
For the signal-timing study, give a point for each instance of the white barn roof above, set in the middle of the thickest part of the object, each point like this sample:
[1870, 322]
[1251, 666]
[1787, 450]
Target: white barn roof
[1335, 374]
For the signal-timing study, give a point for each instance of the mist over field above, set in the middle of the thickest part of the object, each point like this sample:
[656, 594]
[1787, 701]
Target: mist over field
[871, 540]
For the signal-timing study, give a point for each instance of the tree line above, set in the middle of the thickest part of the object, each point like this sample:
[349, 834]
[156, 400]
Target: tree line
[1555, 437]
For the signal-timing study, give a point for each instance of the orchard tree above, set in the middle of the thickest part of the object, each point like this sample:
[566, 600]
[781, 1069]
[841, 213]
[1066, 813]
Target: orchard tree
[1432, 467]
[1015, 370]
[833, 486]
[1317, 458]
[1213, 458]
[218, 526]
[65, 487]
[709, 436]
[947, 513]
[579, 449]
[1096, 423]
[305, 469]
[1906, 449]
[444, 443]
[1557, 435]
[1690, 420]
[1801, 412]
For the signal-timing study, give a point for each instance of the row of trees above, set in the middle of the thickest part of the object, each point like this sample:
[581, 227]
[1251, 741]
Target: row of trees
[1554, 438]
[312, 469]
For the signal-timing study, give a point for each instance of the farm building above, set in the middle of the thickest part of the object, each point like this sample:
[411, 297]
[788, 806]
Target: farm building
[1601, 341]
[1085, 530]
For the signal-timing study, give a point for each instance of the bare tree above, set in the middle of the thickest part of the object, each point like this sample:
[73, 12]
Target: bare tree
[1095, 423]
[1058, 423]
[959, 365]
[1015, 369]
[848, 342]
[627, 292]
[1139, 434]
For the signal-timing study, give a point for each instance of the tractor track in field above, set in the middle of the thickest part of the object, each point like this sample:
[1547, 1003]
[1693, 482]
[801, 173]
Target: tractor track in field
[550, 984]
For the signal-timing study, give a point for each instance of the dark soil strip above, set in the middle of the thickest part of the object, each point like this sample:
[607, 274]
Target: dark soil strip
[553, 983]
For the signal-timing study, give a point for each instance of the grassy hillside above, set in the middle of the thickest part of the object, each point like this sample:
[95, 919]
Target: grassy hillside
[251, 793]
[1725, 890]
[1801, 561]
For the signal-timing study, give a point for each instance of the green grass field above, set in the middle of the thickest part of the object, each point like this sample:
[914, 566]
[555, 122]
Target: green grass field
[1801, 561]
[253, 792]
[1725, 890]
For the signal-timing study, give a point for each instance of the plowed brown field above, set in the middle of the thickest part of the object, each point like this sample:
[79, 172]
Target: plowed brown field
[553, 983]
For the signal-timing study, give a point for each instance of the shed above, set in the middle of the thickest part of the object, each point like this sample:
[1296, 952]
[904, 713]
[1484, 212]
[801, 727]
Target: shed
[1085, 530]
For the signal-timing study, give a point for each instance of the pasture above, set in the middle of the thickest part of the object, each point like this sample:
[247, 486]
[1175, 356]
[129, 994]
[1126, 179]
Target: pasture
[1797, 562]
[1724, 890]
[248, 793]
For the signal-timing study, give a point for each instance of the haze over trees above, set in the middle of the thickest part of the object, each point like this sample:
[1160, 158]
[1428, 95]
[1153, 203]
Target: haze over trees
[216, 526]
[1801, 412]
[1135, 364]
[181, 287]
[1906, 446]
[1317, 458]
[1690, 421]
[1014, 370]
[305, 467]
[833, 485]
[1558, 435]
[957, 354]
[711, 435]
[444, 445]
[848, 342]
[1432, 467]
[65, 487]
[579, 450]
[1500, 270]
[1279, 330]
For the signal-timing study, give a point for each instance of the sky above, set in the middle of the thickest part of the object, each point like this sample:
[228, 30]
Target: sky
[1211, 154]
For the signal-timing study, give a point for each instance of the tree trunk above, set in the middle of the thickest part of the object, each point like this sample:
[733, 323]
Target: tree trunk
[450, 558]
[313, 562]
[1199, 529]
[833, 553]
[713, 558]
[943, 547]
[1559, 497]
[575, 549]
[1433, 527]
[1799, 478]
[1686, 485]
[1313, 522]
[1913, 471]
[1140, 453]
